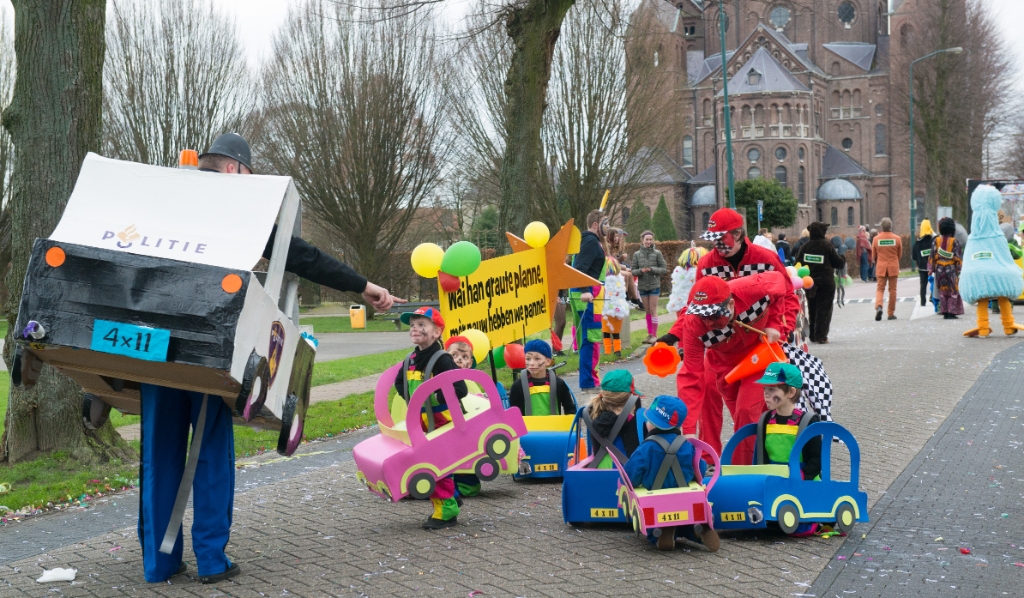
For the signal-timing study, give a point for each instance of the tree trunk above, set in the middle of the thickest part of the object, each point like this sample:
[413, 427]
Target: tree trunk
[54, 119]
[534, 29]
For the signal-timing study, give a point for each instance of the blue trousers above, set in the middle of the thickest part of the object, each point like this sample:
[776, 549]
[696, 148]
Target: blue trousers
[865, 266]
[590, 353]
[167, 416]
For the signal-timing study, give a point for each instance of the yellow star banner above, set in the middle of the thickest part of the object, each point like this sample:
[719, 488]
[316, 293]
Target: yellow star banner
[511, 297]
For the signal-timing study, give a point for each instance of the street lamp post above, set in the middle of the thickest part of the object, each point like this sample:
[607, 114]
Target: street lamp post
[913, 198]
[725, 93]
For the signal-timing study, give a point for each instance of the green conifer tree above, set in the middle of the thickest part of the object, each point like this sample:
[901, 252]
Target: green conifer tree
[639, 221]
[661, 223]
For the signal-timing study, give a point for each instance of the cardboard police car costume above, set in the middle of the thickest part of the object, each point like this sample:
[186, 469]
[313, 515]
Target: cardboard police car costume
[147, 280]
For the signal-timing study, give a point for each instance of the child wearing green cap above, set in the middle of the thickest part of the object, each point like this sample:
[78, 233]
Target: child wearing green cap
[778, 428]
[604, 412]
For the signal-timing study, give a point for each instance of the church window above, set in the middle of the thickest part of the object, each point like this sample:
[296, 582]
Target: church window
[834, 213]
[687, 151]
[753, 154]
[753, 77]
[705, 218]
[849, 216]
[847, 144]
[800, 153]
[754, 173]
[879, 110]
[780, 153]
[879, 140]
[801, 193]
[847, 13]
[780, 17]
[780, 175]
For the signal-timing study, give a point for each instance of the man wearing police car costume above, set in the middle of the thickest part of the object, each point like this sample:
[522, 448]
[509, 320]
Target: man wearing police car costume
[168, 413]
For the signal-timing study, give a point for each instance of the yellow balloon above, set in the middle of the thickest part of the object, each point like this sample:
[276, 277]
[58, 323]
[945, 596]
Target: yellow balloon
[481, 344]
[536, 234]
[574, 241]
[426, 259]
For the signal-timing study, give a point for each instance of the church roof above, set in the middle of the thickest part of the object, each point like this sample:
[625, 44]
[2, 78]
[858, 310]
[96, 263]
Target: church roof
[858, 53]
[837, 164]
[662, 170]
[713, 64]
[705, 176]
[773, 76]
[798, 50]
[669, 15]
[694, 63]
[837, 190]
[705, 196]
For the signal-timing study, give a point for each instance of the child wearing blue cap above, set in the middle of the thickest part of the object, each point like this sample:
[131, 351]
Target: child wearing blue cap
[778, 428]
[548, 394]
[665, 440]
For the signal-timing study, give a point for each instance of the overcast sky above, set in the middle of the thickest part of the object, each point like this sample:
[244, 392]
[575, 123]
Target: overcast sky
[258, 19]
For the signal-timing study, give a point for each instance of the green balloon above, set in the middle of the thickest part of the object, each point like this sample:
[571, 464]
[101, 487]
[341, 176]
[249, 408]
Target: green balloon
[499, 357]
[803, 271]
[461, 259]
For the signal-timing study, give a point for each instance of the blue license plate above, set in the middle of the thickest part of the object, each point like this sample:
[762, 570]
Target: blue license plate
[138, 342]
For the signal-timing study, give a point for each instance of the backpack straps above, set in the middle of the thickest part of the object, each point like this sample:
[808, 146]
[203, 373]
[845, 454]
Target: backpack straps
[760, 456]
[524, 383]
[406, 364]
[553, 408]
[805, 420]
[428, 409]
[607, 445]
[671, 461]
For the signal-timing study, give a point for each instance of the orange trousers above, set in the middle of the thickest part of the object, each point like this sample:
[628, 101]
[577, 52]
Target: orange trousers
[880, 291]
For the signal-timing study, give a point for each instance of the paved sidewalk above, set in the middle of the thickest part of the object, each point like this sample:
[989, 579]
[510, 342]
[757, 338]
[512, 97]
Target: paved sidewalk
[962, 492]
[318, 532]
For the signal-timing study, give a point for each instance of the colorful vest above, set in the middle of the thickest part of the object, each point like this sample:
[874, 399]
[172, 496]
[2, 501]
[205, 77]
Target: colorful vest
[592, 329]
[775, 441]
[539, 399]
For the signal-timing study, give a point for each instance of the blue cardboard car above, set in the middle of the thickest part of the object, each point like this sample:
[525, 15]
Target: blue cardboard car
[750, 496]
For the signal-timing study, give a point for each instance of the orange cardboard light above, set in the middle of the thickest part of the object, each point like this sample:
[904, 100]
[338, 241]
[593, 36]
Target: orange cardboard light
[55, 257]
[231, 283]
[188, 157]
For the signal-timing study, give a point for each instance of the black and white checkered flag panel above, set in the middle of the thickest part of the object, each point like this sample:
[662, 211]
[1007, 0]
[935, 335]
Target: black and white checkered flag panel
[817, 390]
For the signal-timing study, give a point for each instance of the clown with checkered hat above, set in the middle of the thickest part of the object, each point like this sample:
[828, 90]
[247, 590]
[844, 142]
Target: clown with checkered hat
[722, 324]
[733, 257]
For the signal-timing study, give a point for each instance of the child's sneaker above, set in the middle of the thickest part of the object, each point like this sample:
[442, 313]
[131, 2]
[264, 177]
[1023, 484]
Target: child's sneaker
[667, 539]
[708, 537]
[432, 523]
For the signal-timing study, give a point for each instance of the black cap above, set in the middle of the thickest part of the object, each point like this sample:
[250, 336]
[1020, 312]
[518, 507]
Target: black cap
[233, 146]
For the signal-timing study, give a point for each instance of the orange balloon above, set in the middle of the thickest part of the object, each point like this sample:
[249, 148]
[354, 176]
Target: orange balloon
[808, 282]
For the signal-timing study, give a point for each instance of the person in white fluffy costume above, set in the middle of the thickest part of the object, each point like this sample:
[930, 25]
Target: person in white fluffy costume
[989, 272]
[683, 278]
[616, 308]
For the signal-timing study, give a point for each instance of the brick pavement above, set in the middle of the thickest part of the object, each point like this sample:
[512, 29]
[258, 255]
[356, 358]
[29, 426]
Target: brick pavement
[320, 533]
[962, 491]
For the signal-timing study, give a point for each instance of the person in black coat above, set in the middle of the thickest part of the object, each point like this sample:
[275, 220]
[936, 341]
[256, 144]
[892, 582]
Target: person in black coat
[921, 253]
[821, 257]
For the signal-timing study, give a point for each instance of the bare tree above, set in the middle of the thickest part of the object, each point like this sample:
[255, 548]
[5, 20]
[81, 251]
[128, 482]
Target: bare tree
[960, 101]
[606, 115]
[175, 78]
[354, 117]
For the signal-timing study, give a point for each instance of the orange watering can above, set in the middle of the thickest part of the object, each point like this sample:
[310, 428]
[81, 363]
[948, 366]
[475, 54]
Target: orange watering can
[661, 360]
[757, 361]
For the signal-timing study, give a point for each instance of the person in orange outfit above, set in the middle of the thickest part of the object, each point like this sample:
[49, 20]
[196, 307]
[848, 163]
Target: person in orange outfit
[886, 250]
[715, 337]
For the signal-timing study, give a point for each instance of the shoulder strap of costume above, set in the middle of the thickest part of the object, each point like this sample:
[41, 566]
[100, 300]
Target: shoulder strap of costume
[805, 420]
[429, 370]
[524, 383]
[607, 445]
[671, 461]
[760, 458]
[405, 377]
[553, 408]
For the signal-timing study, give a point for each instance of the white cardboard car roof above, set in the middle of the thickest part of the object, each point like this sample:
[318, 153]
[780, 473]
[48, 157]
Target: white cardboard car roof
[201, 217]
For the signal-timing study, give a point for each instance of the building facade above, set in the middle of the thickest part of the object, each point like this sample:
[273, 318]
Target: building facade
[809, 96]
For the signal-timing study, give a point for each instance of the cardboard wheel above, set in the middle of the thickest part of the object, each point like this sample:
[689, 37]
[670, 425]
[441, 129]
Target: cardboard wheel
[789, 518]
[95, 412]
[498, 446]
[254, 388]
[421, 486]
[486, 469]
[845, 518]
[16, 367]
[293, 418]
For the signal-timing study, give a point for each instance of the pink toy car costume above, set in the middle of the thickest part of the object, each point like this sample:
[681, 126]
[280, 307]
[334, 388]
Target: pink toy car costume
[404, 460]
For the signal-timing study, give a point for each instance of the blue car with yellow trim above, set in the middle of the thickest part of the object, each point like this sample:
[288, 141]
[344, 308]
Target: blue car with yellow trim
[751, 496]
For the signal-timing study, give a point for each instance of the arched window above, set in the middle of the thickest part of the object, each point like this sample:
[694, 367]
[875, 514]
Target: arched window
[801, 188]
[835, 216]
[879, 140]
[754, 173]
[780, 175]
[906, 35]
[705, 218]
[687, 151]
[820, 217]
[849, 216]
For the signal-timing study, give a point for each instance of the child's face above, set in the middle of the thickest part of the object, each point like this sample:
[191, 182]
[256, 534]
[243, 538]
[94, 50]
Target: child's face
[462, 355]
[536, 363]
[778, 396]
[423, 332]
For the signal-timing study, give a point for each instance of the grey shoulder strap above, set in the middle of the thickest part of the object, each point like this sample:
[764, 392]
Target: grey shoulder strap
[406, 364]
[553, 408]
[760, 458]
[524, 383]
[671, 461]
[805, 420]
[608, 444]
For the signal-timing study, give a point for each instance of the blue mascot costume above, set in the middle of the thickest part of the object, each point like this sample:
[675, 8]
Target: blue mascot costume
[989, 272]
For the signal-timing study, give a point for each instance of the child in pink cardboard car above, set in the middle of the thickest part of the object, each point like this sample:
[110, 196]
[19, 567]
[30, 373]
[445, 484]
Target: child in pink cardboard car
[662, 489]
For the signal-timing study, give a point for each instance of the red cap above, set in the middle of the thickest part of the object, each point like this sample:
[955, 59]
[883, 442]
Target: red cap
[427, 312]
[721, 222]
[708, 296]
[457, 339]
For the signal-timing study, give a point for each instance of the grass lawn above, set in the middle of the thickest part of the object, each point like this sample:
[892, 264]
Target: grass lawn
[329, 324]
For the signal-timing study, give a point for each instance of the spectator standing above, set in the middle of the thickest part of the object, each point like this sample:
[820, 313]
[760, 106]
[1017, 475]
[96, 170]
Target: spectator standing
[804, 237]
[886, 250]
[648, 265]
[864, 253]
[784, 250]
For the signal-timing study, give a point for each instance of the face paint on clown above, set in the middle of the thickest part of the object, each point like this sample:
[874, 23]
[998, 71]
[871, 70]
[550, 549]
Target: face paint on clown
[724, 316]
[730, 243]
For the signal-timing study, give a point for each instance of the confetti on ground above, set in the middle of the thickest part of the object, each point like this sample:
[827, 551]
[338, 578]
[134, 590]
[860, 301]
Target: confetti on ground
[965, 551]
